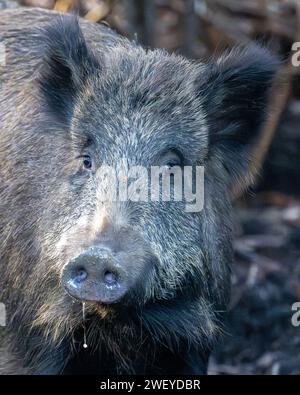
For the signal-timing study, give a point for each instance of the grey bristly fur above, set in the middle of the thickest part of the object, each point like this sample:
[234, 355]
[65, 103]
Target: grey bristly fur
[71, 87]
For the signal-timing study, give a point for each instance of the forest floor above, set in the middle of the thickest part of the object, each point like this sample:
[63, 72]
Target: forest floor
[260, 336]
[266, 274]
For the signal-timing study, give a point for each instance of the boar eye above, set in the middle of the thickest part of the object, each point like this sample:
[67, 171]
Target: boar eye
[87, 162]
[172, 158]
[172, 163]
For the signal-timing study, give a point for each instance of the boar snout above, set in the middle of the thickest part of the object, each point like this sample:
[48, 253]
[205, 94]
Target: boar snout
[96, 275]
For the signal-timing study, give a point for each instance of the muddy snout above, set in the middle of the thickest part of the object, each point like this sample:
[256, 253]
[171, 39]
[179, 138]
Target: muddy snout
[95, 275]
[98, 275]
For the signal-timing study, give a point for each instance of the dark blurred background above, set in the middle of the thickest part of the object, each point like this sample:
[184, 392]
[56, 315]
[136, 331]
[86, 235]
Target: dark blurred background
[266, 275]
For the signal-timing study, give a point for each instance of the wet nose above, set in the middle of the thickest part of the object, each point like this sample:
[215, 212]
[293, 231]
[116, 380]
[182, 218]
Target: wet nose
[95, 275]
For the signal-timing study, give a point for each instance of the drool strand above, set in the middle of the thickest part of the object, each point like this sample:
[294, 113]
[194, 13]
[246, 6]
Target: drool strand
[84, 329]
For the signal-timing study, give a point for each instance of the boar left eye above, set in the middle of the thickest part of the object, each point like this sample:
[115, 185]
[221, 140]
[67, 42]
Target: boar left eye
[171, 159]
[87, 162]
[172, 163]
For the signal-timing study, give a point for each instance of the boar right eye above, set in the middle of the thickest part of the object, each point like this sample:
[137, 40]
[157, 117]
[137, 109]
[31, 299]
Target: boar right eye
[87, 162]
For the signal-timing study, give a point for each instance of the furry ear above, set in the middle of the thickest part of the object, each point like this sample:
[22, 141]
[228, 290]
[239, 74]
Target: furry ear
[235, 90]
[66, 65]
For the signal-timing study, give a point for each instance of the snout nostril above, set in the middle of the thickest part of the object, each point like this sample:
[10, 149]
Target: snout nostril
[110, 278]
[96, 275]
[80, 276]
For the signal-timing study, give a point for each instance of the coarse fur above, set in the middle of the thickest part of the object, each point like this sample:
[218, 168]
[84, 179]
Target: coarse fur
[70, 87]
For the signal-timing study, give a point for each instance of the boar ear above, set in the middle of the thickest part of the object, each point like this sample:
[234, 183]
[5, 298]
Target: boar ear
[66, 65]
[235, 89]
